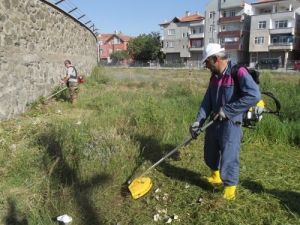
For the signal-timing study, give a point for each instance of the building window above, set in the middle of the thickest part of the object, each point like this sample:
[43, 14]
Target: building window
[232, 13]
[224, 13]
[116, 41]
[262, 24]
[197, 30]
[259, 40]
[183, 35]
[211, 14]
[196, 43]
[281, 24]
[223, 28]
[171, 32]
[282, 39]
[170, 44]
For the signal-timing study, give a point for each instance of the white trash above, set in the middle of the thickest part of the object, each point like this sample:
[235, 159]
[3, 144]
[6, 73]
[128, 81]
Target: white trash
[156, 217]
[169, 220]
[66, 219]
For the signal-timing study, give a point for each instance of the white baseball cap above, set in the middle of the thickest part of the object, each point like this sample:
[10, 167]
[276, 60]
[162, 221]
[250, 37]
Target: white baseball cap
[211, 49]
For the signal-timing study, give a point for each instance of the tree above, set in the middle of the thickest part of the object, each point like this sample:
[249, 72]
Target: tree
[119, 56]
[145, 47]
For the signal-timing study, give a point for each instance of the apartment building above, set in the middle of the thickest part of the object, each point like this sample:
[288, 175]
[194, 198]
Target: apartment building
[227, 22]
[275, 32]
[183, 39]
[110, 43]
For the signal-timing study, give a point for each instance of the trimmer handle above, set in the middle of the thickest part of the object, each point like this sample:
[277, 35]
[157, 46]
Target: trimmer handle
[185, 143]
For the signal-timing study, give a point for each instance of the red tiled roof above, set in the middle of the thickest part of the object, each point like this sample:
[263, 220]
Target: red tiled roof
[189, 18]
[124, 37]
[105, 37]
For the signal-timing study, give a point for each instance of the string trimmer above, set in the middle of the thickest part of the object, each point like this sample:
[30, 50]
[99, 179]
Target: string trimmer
[141, 184]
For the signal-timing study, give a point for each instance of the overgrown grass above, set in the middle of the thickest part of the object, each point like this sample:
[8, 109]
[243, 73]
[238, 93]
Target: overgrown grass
[63, 159]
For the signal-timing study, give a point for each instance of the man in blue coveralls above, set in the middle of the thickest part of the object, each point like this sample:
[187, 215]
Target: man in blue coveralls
[225, 103]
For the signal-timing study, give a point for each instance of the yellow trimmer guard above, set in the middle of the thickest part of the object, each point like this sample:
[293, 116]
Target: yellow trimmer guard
[140, 186]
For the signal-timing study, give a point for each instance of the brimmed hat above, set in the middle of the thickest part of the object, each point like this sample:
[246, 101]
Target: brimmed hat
[211, 49]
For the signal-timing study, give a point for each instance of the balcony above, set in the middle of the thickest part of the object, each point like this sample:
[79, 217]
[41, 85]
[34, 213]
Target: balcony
[281, 46]
[232, 46]
[196, 24]
[196, 48]
[287, 30]
[199, 35]
[231, 19]
[234, 33]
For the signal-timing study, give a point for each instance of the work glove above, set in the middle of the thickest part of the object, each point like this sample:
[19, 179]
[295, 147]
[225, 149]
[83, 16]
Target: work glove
[195, 129]
[220, 115]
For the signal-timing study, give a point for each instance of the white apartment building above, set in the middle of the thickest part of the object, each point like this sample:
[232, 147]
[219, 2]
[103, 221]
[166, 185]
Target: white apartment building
[183, 39]
[275, 31]
[227, 22]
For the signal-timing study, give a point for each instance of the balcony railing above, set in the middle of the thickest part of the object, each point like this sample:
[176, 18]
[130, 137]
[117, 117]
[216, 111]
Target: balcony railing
[196, 48]
[199, 35]
[285, 30]
[281, 46]
[234, 33]
[232, 46]
[231, 19]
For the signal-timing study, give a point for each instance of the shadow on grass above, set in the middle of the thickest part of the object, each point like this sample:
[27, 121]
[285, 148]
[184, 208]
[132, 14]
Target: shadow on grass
[62, 174]
[289, 199]
[12, 217]
[153, 151]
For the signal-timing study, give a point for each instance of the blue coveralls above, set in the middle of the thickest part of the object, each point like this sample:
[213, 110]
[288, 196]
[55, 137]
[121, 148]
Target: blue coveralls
[223, 138]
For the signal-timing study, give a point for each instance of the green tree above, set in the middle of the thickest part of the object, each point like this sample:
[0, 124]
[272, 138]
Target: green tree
[145, 47]
[119, 56]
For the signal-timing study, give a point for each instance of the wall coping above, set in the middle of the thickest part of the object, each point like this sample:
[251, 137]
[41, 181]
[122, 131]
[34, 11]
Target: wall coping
[70, 16]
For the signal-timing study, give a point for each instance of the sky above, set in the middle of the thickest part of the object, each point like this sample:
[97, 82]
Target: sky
[135, 17]
[131, 17]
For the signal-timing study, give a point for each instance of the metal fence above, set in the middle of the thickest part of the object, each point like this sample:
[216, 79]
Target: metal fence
[292, 65]
[72, 10]
[156, 64]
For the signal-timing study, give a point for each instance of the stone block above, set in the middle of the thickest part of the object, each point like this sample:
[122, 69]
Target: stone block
[6, 4]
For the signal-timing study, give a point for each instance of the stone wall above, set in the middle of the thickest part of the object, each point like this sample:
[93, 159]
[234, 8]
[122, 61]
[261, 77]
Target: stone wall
[35, 39]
